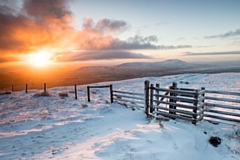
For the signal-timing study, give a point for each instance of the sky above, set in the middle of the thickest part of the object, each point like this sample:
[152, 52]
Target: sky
[109, 32]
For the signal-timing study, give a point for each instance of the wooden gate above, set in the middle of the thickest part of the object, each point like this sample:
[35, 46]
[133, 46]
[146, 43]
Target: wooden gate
[180, 103]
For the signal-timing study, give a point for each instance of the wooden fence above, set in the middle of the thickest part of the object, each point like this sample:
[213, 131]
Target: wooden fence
[176, 103]
[222, 105]
[192, 104]
[129, 98]
[9, 91]
[105, 86]
[26, 87]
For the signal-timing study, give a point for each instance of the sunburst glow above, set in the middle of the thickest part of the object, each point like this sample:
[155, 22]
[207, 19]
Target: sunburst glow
[40, 59]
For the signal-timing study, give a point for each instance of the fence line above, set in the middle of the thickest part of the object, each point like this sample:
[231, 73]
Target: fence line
[13, 88]
[25, 87]
[225, 111]
[177, 103]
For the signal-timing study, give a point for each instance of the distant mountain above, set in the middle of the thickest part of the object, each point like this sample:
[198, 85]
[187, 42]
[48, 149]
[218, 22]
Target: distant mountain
[163, 66]
[93, 74]
[95, 69]
[168, 64]
[123, 71]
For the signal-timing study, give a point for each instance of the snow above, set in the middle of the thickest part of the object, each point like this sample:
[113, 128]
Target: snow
[55, 127]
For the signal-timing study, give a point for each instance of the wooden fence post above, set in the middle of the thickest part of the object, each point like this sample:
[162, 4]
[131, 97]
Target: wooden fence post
[157, 91]
[195, 104]
[173, 87]
[45, 90]
[88, 93]
[26, 88]
[156, 98]
[111, 93]
[146, 92]
[2, 88]
[151, 98]
[203, 101]
[75, 89]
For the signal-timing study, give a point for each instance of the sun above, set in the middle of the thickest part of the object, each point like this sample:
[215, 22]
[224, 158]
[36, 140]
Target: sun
[40, 59]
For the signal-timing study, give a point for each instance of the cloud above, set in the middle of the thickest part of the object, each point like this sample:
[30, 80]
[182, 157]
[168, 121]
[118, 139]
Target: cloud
[104, 26]
[142, 43]
[42, 10]
[97, 40]
[9, 58]
[96, 36]
[10, 6]
[40, 24]
[107, 25]
[100, 55]
[226, 35]
[211, 53]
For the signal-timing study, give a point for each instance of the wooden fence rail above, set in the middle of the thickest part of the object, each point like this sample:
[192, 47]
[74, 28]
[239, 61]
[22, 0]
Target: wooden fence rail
[218, 107]
[223, 92]
[129, 98]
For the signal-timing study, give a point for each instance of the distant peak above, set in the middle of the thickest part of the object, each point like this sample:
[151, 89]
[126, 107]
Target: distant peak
[173, 60]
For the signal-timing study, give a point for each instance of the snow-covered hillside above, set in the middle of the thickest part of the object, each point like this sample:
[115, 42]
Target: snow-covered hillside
[54, 127]
[171, 64]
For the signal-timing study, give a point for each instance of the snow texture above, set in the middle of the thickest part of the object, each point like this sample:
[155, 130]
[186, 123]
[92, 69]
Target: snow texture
[60, 127]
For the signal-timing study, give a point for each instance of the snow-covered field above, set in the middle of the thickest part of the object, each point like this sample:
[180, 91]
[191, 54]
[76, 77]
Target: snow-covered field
[64, 128]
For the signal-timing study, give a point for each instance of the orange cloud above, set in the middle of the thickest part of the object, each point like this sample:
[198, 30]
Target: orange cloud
[47, 24]
[37, 25]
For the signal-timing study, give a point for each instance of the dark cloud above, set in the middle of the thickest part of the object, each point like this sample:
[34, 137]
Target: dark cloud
[44, 9]
[140, 39]
[8, 59]
[211, 53]
[11, 27]
[105, 26]
[101, 55]
[142, 43]
[108, 25]
[226, 35]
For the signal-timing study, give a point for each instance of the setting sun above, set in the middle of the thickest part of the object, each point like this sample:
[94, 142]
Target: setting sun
[40, 59]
